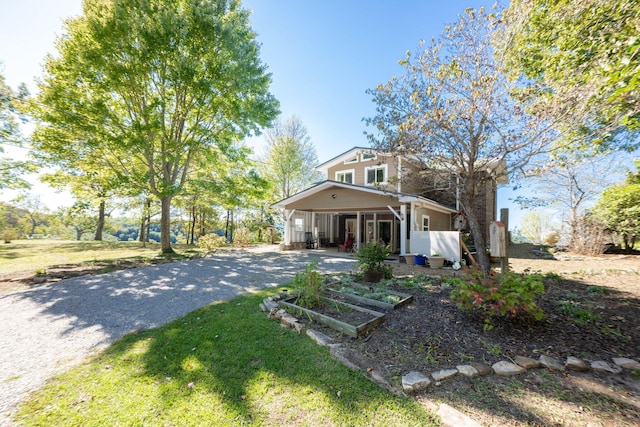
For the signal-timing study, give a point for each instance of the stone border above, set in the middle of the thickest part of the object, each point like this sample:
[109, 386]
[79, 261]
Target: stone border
[415, 381]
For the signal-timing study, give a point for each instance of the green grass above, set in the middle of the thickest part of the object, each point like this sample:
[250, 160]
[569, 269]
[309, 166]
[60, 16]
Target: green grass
[226, 364]
[38, 255]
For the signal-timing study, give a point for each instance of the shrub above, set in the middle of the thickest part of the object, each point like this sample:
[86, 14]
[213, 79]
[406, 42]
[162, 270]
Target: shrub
[309, 284]
[371, 256]
[9, 234]
[507, 295]
[242, 237]
[211, 241]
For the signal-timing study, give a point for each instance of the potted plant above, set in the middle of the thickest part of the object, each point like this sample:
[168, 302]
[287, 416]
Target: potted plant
[436, 261]
[371, 258]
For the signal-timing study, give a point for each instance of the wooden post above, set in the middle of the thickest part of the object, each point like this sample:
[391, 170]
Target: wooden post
[504, 260]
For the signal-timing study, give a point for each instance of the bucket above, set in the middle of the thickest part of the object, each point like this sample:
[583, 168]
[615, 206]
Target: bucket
[420, 260]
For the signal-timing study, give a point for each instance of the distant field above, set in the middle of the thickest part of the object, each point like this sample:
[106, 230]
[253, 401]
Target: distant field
[27, 256]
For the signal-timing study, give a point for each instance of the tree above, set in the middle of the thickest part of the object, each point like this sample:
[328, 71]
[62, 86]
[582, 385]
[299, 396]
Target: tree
[10, 109]
[451, 107]
[33, 212]
[570, 183]
[290, 158]
[153, 86]
[619, 209]
[80, 217]
[579, 60]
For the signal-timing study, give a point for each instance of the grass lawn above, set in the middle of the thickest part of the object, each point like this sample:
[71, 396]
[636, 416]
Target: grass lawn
[225, 364]
[30, 256]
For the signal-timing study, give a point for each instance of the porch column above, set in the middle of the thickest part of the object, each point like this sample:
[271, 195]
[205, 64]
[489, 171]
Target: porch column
[287, 226]
[403, 230]
[314, 226]
[375, 227]
[332, 218]
[358, 227]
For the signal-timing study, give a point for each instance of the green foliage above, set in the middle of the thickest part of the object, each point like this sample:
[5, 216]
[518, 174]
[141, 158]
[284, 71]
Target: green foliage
[9, 234]
[309, 285]
[619, 210]
[371, 257]
[579, 61]
[581, 316]
[169, 85]
[506, 295]
[211, 241]
[379, 293]
[242, 237]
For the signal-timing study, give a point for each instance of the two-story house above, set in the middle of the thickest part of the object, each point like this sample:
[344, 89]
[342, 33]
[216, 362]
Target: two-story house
[372, 196]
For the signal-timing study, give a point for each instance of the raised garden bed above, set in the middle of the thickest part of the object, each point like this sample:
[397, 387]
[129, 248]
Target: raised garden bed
[347, 318]
[379, 297]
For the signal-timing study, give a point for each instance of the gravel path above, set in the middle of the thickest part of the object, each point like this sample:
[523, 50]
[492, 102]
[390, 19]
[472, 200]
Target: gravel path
[47, 330]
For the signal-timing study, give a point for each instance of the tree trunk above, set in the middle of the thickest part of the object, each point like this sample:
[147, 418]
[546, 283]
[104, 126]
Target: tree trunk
[101, 216]
[79, 234]
[165, 225]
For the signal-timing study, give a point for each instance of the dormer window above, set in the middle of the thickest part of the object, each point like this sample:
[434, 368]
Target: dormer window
[345, 176]
[369, 156]
[376, 175]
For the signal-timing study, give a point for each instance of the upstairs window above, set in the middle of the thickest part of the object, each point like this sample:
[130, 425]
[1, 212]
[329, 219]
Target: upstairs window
[345, 176]
[353, 159]
[368, 156]
[376, 175]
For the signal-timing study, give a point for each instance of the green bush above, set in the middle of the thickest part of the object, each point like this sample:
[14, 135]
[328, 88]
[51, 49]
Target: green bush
[505, 295]
[371, 256]
[211, 241]
[309, 285]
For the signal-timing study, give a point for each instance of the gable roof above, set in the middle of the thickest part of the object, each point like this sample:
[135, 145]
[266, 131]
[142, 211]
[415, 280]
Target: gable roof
[324, 167]
[329, 184]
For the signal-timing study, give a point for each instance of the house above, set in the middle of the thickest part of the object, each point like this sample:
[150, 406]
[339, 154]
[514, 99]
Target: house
[371, 196]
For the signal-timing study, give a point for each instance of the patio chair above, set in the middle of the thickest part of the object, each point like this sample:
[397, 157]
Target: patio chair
[347, 246]
[312, 243]
[323, 239]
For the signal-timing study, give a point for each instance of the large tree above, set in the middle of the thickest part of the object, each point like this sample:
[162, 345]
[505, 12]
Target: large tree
[580, 62]
[451, 107]
[152, 86]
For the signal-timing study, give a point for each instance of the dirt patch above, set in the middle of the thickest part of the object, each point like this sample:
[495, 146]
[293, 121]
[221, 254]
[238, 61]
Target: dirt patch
[591, 313]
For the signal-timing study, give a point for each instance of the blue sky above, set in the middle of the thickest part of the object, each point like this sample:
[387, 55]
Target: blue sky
[323, 55]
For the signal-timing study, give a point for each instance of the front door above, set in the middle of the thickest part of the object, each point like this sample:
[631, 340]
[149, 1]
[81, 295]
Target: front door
[371, 228]
[350, 229]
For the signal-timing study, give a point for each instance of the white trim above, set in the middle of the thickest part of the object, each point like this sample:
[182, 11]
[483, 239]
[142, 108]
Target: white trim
[376, 167]
[346, 171]
[351, 160]
[428, 218]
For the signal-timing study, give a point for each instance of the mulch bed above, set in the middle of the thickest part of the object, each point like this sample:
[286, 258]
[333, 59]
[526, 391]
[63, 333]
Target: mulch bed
[585, 321]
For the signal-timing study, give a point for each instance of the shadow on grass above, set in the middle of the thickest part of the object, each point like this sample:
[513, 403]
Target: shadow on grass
[226, 364]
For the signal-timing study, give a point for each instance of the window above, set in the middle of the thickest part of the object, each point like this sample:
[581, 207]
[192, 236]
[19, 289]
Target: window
[345, 176]
[425, 222]
[368, 156]
[298, 224]
[353, 159]
[376, 175]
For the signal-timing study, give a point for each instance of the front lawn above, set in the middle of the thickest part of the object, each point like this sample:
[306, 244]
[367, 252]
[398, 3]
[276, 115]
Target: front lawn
[225, 364]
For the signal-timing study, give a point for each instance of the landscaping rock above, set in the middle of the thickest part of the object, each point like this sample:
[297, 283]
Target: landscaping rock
[605, 367]
[623, 362]
[575, 364]
[288, 321]
[443, 374]
[299, 327]
[319, 337]
[414, 382]
[482, 369]
[551, 363]
[527, 362]
[277, 314]
[454, 418]
[269, 304]
[468, 371]
[507, 369]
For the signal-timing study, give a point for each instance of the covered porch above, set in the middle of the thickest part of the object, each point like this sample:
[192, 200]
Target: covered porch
[330, 213]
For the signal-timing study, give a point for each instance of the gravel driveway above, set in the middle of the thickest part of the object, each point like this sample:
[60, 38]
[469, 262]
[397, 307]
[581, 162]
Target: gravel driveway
[46, 330]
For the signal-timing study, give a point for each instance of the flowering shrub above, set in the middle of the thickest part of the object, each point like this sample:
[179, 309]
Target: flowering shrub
[507, 295]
